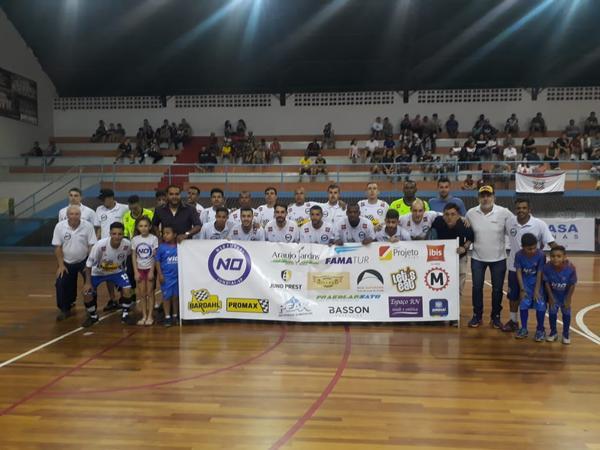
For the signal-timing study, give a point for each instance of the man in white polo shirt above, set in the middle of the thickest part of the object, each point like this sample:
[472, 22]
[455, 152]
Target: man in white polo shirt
[72, 240]
[87, 214]
[490, 223]
[519, 224]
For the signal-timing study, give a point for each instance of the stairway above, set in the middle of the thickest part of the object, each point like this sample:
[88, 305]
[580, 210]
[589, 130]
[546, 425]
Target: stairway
[189, 155]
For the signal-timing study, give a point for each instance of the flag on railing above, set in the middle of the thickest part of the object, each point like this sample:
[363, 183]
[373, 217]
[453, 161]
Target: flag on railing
[540, 183]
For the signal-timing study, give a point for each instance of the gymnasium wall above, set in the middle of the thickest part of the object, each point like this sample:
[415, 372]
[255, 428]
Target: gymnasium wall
[15, 56]
[350, 112]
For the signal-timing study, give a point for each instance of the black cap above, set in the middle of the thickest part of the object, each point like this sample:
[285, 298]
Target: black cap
[104, 193]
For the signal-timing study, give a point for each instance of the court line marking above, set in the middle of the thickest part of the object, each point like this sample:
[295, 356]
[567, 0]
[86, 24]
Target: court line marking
[50, 342]
[270, 348]
[65, 374]
[40, 295]
[560, 321]
[581, 324]
[319, 402]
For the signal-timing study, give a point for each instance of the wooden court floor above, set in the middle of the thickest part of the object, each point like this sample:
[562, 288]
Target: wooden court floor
[245, 385]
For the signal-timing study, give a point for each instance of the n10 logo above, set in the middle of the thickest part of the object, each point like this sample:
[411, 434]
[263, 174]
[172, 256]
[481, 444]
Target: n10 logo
[229, 264]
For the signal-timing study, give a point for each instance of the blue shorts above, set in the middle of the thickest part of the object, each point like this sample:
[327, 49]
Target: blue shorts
[170, 289]
[513, 286]
[120, 279]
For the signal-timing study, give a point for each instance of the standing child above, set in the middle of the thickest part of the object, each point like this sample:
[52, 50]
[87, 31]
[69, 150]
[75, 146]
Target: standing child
[166, 269]
[529, 263]
[144, 245]
[560, 278]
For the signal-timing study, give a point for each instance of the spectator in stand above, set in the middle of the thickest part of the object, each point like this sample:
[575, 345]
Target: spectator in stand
[274, 151]
[426, 163]
[120, 132]
[305, 164]
[586, 146]
[100, 135]
[452, 127]
[510, 153]
[403, 161]
[595, 158]
[512, 124]
[36, 150]
[416, 125]
[141, 145]
[538, 124]
[353, 153]
[481, 147]
[154, 152]
[488, 130]
[533, 158]
[111, 133]
[377, 129]
[528, 145]
[370, 148]
[416, 148]
[319, 167]
[575, 150]
[163, 135]
[148, 130]
[572, 130]
[51, 152]
[389, 144]
[125, 151]
[174, 140]
[405, 124]
[260, 153]
[184, 131]
[590, 126]
[524, 168]
[227, 129]
[313, 148]
[508, 141]
[563, 146]
[241, 128]
[388, 129]
[478, 126]
[207, 158]
[388, 167]
[468, 183]
[436, 124]
[328, 136]
[227, 151]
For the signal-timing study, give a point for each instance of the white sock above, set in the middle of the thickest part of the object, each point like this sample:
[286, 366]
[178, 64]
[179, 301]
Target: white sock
[514, 317]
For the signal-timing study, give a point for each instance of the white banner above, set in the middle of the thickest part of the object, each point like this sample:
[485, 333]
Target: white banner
[540, 183]
[574, 234]
[380, 282]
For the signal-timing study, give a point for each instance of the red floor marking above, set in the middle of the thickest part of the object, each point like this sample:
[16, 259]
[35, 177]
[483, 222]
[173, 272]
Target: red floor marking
[41, 389]
[317, 404]
[174, 380]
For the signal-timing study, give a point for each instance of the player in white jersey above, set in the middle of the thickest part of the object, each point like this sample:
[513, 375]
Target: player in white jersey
[219, 228]
[299, 211]
[193, 194]
[280, 229]
[392, 232]
[333, 209]
[87, 214]
[316, 231]
[265, 213]
[372, 208]
[244, 201]
[418, 222]
[246, 229]
[217, 200]
[106, 263]
[516, 226]
[109, 212]
[354, 228]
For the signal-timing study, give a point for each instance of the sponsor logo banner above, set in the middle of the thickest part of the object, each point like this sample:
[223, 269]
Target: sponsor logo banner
[406, 306]
[203, 302]
[248, 305]
[369, 280]
[332, 280]
[438, 307]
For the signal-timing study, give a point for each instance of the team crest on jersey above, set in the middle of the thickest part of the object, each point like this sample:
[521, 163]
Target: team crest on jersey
[324, 238]
[67, 236]
[288, 237]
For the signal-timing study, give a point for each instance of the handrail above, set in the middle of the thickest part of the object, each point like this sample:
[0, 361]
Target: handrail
[32, 196]
[36, 201]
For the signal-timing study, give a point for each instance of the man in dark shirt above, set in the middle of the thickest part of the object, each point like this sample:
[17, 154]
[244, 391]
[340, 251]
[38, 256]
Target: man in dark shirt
[184, 219]
[451, 226]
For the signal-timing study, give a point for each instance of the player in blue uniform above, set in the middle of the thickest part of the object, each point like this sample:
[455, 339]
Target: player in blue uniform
[168, 276]
[560, 278]
[529, 262]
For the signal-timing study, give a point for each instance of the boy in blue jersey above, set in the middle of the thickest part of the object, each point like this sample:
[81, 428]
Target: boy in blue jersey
[560, 278]
[529, 263]
[168, 275]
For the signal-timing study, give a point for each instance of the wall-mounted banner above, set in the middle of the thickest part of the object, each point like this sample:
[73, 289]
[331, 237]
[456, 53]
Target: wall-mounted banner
[540, 183]
[380, 282]
[18, 97]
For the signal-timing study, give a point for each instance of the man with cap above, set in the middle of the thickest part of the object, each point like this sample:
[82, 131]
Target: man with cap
[490, 224]
[72, 240]
[107, 213]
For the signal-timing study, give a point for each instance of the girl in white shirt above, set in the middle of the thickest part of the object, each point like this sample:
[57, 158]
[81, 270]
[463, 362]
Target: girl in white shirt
[143, 246]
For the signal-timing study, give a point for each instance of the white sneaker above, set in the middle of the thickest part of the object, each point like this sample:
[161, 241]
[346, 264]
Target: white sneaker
[552, 337]
[566, 340]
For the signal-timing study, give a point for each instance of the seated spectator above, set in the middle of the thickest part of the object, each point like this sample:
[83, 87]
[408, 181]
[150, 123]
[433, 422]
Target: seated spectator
[389, 143]
[174, 139]
[471, 149]
[227, 129]
[595, 158]
[260, 153]
[125, 151]
[100, 135]
[154, 151]
[319, 167]
[227, 151]
[305, 164]
[452, 127]
[120, 132]
[36, 150]
[468, 184]
[438, 167]
[403, 161]
[575, 150]
[185, 131]
[508, 141]
[426, 163]
[436, 124]
[493, 147]
[163, 135]
[405, 124]
[563, 146]
[510, 153]
[274, 151]
[388, 167]
[111, 133]
[481, 147]
[313, 148]
[353, 152]
[328, 136]
[586, 146]
[572, 130]
[241, 128]
[524, 168]
[538, 124]
[590, 126]
[377, 129]
[527, 145]
[512, 124]
[51, 152]
[478, 126]
[429, 134]
[148, 130]
[206, 157]
[488, 130]
[141, 145]
[388, 129]
[370, 147]
[533, 159]
[416, 126]
[416, 147]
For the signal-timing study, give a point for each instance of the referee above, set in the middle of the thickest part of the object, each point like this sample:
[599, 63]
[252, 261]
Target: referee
[72, 240]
